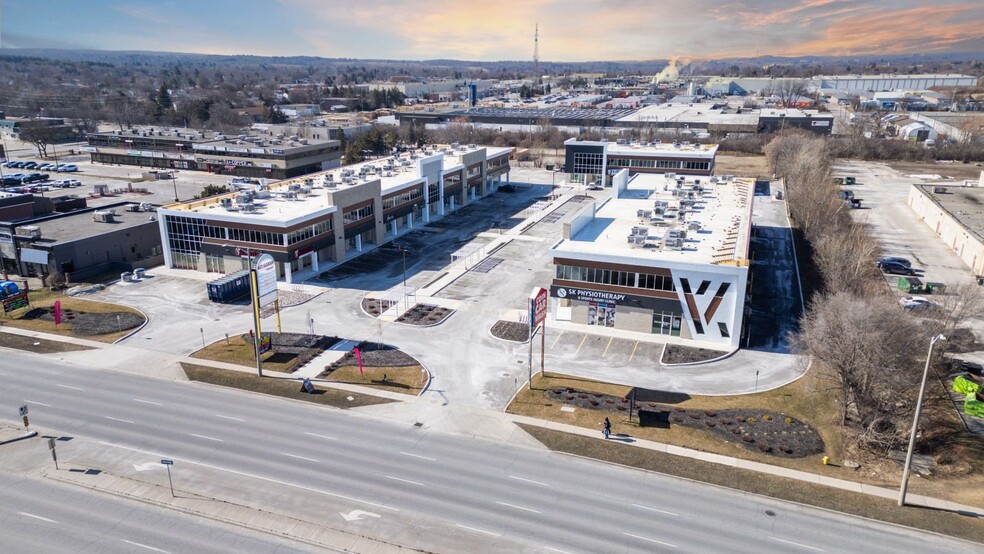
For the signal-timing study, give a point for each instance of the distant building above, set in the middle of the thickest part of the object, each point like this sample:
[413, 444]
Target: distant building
[859, 84]
[11, 127]
[953, 213]
[300, 110]
[774, 121]
[594, 161]
[273, 156]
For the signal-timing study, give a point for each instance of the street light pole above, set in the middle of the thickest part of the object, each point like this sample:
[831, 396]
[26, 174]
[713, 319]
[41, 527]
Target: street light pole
[406, 303]
[915, 420]
[175, 185]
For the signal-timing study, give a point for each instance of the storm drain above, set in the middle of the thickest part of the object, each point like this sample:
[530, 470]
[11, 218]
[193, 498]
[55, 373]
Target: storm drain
[487, 265]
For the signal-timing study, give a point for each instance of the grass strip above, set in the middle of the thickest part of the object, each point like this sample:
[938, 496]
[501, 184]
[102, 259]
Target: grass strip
[40, 346]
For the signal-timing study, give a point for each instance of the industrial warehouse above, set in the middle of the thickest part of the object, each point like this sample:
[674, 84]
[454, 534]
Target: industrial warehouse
[329, 217]
[666, 255]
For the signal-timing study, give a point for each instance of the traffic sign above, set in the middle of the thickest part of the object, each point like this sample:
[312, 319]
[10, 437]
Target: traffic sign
[167, 462]
[23, 410]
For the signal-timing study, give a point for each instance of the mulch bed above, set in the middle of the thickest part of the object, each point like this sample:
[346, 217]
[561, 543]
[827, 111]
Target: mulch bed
[374, 306]
[425, 314]
[302, 347]
[763, 431]
[374, 355]
[676, 354]
[90, 324]
[511, 330]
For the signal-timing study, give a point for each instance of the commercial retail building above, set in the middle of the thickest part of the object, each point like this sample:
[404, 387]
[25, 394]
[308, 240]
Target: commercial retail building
[597, 161]
[269, 155]
[665, 254]
[326, 218]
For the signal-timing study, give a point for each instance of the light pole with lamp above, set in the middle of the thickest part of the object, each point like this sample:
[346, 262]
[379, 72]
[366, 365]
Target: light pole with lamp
[254, 301]
[175, 185]
[406, 302]
[915, 420]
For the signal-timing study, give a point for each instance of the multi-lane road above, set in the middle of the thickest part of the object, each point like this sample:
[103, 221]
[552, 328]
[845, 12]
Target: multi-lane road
[419, 487]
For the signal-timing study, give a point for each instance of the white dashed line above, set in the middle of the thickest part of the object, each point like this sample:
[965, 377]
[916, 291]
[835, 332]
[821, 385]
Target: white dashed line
[404, 480]
[477, 530]
[38, 403]
[321, 436]
[145, 546]
[230, 417]
[206, 438]
[655, 510]
[118, 419]
[518, 507]
[299, 457]
[147, 402]
[798, 544]
[557, 550]
[25, 514]
[528, 481]
[640, 537]
[69, 387]
[418, 456]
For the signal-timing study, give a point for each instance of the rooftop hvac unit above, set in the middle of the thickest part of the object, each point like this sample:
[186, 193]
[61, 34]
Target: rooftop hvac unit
[331, 185]
[694, 226]
[677, 234]
[673, 243]
[244, 198]
[102, 217]
[294, 187]
[226, 203]
[644, 214]
[147, 207]
[31, 231]
[305, 190]
[290, 195]
[640, 231]
[132, 207]
[329, 178]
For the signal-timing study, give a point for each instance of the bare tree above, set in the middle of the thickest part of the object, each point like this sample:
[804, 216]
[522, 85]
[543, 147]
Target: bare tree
[41, 136]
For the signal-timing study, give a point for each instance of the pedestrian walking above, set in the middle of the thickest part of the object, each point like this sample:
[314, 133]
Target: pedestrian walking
[607, 429]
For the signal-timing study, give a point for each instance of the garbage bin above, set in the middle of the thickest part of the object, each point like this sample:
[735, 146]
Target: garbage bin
[138, 273]
[126, 276]
[935, 288]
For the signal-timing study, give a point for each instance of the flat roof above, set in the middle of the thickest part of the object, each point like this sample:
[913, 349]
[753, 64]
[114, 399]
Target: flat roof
[82, 224]
[592, 114]
[965, 204]
[717, 225]
[655, 148]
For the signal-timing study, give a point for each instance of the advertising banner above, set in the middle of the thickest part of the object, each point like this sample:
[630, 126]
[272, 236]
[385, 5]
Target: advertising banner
[15, 302]
[266, 279]
[538, 307]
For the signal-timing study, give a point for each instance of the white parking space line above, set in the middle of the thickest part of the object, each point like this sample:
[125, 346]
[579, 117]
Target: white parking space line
[605, 353]
[418, 456]
[38, 403]
[556, 340]
[477, 530]
[518, 507]
[299, 457]
[655, 510]
[798, 544]
[25, 514]
[145, 546]
[118, 419]
[254, 476]
[557, 550]
[321, 436]
[528, 480]
[640, 537]
[69, 387]
[141, 400]
[230, 417]
[581, 343]
[632, 355]
[206, 437]
[403, 480]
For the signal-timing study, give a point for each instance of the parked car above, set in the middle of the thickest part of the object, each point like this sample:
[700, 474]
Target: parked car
[895, 260]
[30, 165]
[917, 303]
[47, 167]
[68, 168]
[894, 268]
[8, 163]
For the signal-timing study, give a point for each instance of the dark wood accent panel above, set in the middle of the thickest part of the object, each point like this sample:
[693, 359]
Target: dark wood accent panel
[712, 308]
[617, 267]
[615, 288]
[692, 306]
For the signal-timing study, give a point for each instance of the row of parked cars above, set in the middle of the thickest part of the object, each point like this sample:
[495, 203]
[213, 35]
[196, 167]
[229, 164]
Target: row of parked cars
[61, 168]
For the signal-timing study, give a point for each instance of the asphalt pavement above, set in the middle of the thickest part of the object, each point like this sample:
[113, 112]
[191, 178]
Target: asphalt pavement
[422, 487]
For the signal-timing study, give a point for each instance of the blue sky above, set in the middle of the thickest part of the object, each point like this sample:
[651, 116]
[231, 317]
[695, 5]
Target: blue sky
[570, 30]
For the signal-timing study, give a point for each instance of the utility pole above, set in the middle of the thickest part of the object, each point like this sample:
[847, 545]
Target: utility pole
[536, 56]
[915, 421]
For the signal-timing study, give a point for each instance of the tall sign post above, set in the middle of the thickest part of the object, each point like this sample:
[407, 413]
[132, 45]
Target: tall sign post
[537, 318]
[168, 464]
[263, 285]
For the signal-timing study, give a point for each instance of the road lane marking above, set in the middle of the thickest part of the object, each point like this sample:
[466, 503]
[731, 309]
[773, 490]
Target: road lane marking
[37, 517]
[403, 480]
[518, 507]
[321, 436]
[607, 347]
[38, 403]
[299, 457]
[418, 456]
[252, 476]
[69, 387]
[528, 481]
[145, 546]
[206, 438]
[655, 509]
[557, 550]
[798, 544]
[117, 419]
[640, 537]
[477, 530]
[230, 417]
[147, 401]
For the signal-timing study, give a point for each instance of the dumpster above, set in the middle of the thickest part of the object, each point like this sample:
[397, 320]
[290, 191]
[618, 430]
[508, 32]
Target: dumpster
[230, 288]
[838, 180]
[910, 284]
[849, 180]
[935, 288]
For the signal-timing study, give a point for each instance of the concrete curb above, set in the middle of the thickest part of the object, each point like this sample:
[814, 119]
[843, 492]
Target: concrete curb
[724, 356]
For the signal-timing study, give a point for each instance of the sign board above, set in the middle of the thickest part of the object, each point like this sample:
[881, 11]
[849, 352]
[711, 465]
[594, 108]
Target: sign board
[34, 256]
[266, 343]
[266, 279]
[538, 307]
[51, 443]
[15, 302]
[23, 410]
[167, 462]
[820, 124]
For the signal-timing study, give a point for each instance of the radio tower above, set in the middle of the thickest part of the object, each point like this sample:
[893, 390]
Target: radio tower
[536, 55]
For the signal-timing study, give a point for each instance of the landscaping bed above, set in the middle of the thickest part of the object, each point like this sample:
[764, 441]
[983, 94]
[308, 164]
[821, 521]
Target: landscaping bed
[676, 354]
[288, 352]
[511, 331]
[376, 306]
[425, 314]
[80, 318]
[383, 367]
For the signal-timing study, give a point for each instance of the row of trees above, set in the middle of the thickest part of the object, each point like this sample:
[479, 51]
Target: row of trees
[853, 327]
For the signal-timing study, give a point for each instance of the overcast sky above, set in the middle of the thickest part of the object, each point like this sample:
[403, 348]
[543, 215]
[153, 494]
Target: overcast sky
[570, 30]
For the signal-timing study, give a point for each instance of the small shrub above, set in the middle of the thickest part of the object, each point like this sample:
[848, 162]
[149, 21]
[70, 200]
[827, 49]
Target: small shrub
[621, 408]
[748, 439]
[765, 448]
[787, 450]
[710, 413]
[751, 420]
[694, 415]
[594, 402]
[679, 409]
[767, 418]
[709, 423]
[789, 420]
[582, 395]
[736, 430]
[676, 419]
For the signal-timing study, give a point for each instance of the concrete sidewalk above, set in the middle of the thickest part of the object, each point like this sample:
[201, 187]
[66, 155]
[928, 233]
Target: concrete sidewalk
[316, 534]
